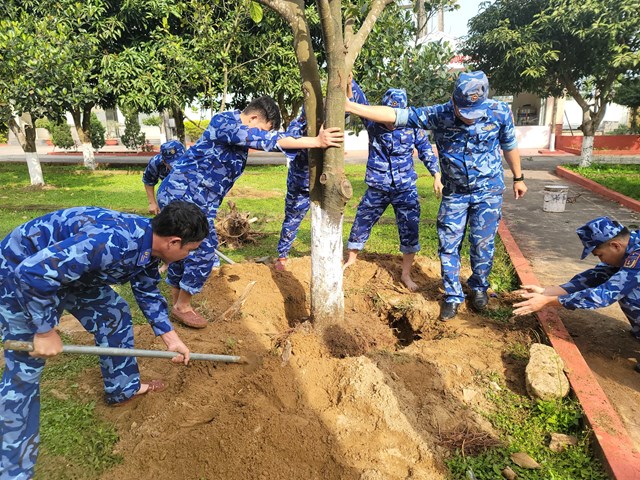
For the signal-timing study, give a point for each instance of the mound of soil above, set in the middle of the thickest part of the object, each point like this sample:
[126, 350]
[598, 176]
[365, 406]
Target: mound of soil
[378, 396]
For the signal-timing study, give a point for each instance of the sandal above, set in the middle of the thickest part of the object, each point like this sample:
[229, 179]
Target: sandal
[154, 386]
[190, 319]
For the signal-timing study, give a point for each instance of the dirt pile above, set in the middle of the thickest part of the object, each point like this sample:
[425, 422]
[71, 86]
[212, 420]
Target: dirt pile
[376, 397]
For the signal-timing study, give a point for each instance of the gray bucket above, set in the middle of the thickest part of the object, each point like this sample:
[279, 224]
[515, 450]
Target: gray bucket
[555, 198]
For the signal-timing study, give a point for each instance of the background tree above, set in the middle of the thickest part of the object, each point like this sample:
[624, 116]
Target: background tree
[628, 94]
[553, 47]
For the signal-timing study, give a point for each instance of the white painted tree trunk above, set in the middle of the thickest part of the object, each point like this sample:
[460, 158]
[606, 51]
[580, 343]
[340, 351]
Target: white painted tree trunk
[89, 156]
[326, 265]
[35, 171]
[587, 151]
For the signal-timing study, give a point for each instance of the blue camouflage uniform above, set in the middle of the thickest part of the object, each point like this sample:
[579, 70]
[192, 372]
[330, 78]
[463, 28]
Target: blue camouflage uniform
[472, 176]
[160, 165]
[605, 284]
[391, 176]
[67, 260]
[296, 202]
[203, 176]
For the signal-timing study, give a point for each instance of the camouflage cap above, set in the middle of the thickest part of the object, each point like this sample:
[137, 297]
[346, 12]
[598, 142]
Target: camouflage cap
[395, 97]
[597, 231]
[470, 94]
[171, 149]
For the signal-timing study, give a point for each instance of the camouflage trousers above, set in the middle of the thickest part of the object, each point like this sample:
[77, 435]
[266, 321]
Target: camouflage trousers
[191, 273]
[480, 213]
[373, 204]
[103, 313]
[296, 206]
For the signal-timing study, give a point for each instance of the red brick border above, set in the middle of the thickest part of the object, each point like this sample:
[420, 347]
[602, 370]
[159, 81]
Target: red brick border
[618, 454]
[599, 189]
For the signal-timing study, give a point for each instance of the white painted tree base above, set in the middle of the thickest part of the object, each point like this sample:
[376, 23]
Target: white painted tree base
[89, 156]
[587, 151]
[35, 171]
[327, 296]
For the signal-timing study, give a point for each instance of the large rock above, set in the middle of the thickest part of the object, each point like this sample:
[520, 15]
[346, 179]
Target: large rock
[545, 373]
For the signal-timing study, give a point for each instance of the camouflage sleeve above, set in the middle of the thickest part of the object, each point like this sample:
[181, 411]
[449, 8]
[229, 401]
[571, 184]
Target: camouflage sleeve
[412, 117]
[361, 98]
[590, 278]
[614, 289]
[425, 151]
[40, 276]
[508, 140]
[151, 174]
[296, 129]
[231, 132]
[150, 300]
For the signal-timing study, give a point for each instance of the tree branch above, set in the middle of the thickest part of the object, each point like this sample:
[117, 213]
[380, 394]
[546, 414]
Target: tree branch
[377, 6]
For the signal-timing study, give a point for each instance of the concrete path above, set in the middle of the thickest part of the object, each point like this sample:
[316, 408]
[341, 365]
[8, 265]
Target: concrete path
[550, 244]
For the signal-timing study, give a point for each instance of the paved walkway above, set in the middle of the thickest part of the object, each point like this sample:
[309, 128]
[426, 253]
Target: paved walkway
[550, 244]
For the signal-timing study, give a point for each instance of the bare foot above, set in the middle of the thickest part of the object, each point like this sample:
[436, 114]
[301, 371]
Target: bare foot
[348, 263]
[409, 283]
[280, 265]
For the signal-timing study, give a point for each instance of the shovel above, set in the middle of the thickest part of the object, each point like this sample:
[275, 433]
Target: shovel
[125, 352]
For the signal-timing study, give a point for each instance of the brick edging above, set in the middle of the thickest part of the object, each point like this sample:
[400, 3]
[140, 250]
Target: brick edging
[618, 454]
[595, 187]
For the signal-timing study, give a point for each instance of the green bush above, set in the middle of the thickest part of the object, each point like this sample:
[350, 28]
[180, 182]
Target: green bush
[4, 132]
[97, 132]
[194, 130]
[624, 130]
[132, 138]
[153, 121]
[42, 123]
[61, 135]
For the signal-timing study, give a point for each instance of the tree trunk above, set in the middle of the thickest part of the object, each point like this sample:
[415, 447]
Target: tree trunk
[81, 121]
[27, 139]
[587, 150]
[178, 117]
[332, 190]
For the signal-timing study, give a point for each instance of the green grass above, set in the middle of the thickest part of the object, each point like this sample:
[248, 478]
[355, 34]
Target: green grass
[621, 178]
[525, 425]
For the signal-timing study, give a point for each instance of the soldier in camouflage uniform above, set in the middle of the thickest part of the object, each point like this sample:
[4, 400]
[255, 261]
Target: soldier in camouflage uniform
[206, 173]
[67, 260]
[296, 203]
[469, 131]
[391, 180]
[158, 168]
[615, 279]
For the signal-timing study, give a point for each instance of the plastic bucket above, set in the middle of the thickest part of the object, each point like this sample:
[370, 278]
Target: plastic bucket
[555, 198]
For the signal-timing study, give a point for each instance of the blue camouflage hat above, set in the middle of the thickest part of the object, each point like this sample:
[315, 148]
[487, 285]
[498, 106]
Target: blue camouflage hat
[395, 97]
[470, 94]
[597, 231]
[171, 149]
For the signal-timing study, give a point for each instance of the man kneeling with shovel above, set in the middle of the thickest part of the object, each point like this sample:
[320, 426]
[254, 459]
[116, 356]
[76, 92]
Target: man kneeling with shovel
[67, 260]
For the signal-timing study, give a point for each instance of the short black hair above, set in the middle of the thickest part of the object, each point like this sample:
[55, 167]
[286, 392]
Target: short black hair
[181, 219]
[267, 108]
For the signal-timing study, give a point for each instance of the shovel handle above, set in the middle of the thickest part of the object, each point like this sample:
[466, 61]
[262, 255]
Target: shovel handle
[23, 346]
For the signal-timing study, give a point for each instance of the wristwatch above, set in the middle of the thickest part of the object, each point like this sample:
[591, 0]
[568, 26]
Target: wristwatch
[519, 179]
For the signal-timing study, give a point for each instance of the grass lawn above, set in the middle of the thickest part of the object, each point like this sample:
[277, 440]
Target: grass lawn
[69, 425]
[624, 179]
